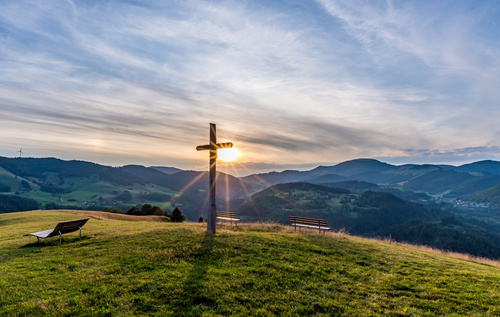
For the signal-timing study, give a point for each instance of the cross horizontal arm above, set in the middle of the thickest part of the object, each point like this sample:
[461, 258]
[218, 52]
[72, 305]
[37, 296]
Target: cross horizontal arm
[202, 147]
[217, 146]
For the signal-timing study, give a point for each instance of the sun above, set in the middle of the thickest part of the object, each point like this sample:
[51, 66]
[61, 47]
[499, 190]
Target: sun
[228, 155]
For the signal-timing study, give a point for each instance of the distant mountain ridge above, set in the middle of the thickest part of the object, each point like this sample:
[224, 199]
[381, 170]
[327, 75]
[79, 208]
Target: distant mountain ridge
[434, 179]
[487, 166]
[444, 180]
[448, 181]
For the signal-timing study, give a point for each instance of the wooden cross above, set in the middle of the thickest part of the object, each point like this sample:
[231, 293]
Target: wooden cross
[212, 147]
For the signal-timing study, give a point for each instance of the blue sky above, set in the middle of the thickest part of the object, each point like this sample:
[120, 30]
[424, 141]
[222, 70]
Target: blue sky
[292, 83]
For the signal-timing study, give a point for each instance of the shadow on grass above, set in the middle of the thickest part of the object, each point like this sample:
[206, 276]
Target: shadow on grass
[54, 242]
[193, 299]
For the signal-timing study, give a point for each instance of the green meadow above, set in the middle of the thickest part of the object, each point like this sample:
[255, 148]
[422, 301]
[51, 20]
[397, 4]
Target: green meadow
[142, 266]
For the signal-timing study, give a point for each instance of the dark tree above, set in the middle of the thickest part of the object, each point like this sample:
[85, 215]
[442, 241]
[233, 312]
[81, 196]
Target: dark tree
[134, 211]
[146, 209]
[177, 215]
[157, 211]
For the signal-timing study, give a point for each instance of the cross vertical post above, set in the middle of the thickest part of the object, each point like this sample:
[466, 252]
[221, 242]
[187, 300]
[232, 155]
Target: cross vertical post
[212, 213]
[212, 147]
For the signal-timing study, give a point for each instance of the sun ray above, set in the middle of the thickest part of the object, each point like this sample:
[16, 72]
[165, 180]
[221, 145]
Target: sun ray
[227, 192]
[186, 187]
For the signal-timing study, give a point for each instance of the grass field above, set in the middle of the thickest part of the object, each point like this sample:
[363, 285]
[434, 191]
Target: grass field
[129, 266]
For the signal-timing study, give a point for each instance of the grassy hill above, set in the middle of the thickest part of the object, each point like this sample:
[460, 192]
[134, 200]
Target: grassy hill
[125, 267]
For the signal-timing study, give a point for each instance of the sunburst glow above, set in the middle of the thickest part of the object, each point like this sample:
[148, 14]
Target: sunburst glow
[228, 155]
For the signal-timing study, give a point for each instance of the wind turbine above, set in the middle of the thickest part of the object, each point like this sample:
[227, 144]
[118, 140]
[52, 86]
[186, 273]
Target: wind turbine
[20, 152]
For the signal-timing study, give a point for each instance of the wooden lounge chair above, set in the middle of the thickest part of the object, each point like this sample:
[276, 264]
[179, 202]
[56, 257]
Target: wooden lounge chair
[61, 228]
[227, 216]
[312, 223]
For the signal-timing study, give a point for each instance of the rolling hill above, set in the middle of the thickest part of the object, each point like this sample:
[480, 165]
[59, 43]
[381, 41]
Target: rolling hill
[490, 195]
[434, 180]
[58, 177]
[55, 183]
[488, 166]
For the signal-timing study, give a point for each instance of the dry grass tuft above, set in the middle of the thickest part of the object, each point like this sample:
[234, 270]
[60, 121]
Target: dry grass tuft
[456, 255]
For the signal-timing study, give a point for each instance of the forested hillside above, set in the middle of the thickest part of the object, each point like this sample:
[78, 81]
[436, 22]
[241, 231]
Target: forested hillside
[372, 214]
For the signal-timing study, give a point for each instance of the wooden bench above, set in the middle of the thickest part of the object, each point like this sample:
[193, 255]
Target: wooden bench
[61, 228]
[311, 223]
[227, 216]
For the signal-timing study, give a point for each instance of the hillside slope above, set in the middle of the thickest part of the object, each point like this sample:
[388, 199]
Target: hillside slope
[373, 214]
[60, 184]
[126, 268]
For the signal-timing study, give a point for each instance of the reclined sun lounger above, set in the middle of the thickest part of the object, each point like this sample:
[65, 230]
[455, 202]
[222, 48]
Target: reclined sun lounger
[61, 228]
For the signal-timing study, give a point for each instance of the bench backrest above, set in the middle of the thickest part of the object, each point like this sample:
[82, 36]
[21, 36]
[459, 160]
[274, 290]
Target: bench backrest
[307, 221]
[68, 226]
[227, 214]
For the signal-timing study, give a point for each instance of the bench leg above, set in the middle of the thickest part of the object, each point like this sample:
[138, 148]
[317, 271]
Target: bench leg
[38, 240]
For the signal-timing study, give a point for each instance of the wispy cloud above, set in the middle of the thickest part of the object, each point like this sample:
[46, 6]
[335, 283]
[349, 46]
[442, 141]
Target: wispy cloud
[453, 156]
[323, 81]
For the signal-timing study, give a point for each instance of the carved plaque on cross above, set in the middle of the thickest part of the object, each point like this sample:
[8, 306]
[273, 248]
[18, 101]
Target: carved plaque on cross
[212, 147]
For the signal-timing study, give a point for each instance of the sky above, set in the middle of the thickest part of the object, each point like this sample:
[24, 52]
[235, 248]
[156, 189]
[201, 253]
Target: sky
[293, 83]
